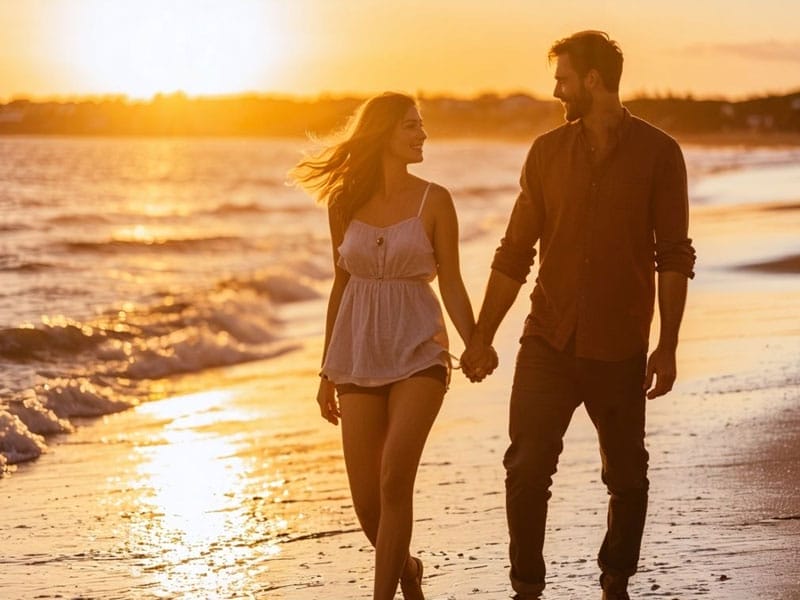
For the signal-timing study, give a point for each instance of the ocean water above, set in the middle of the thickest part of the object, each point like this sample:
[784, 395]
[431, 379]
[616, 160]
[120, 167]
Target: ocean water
[126, 262]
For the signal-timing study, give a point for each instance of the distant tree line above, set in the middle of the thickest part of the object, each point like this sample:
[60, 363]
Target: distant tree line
[509, 116]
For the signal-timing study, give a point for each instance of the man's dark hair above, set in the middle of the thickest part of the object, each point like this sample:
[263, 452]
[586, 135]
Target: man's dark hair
[589, 50]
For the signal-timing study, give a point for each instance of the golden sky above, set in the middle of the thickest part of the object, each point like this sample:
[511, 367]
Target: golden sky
[63, 48]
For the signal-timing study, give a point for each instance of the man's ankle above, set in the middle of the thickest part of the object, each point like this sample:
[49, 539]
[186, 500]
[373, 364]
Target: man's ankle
[613, 582]
[615, 587]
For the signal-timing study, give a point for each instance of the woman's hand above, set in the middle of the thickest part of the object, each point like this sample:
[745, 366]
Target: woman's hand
[478, 360]
[326, 398]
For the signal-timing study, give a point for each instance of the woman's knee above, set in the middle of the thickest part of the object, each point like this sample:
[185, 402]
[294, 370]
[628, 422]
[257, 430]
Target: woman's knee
[367, 511]
[397, 485]
[365, 493]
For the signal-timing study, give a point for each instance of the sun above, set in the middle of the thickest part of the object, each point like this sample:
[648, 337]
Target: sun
[201, 47]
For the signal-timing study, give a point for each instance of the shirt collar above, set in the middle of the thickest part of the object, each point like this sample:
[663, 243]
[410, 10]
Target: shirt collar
[618, 134]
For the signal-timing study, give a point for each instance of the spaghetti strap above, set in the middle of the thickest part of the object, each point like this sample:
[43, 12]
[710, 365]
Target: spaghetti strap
[424, 197]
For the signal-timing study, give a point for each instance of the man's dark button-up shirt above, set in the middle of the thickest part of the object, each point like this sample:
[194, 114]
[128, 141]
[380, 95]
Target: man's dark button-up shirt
[603, 231]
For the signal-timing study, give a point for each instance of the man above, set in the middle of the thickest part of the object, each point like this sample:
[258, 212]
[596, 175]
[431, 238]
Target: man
[605, 196]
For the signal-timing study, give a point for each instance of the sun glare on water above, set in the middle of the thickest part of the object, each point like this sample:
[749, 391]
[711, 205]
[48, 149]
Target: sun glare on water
[198, 47]
[192, 520]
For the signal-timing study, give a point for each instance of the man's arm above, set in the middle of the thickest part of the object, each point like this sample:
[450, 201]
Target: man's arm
[675, 258]
[479, 359]
[510, 268]
[662, 362]
[501, 291]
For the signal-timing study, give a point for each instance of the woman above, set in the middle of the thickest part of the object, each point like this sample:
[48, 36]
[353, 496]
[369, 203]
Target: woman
[386, 352]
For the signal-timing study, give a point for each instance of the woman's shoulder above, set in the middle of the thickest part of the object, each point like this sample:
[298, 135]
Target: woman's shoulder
[437, 195]
[439, 205]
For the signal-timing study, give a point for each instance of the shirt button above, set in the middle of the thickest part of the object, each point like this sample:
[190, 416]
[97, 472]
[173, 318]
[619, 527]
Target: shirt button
[379, 241]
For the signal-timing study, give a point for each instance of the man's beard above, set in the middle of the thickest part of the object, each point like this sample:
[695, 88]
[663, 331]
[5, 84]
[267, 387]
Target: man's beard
[579, 106]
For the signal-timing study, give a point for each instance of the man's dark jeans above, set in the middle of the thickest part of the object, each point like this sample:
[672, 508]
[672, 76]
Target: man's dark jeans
[548, 387]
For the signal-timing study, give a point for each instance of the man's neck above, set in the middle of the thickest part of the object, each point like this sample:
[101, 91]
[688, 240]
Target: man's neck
[603, 121]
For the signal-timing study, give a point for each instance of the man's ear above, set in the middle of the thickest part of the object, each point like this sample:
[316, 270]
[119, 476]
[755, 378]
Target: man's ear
[592, 80]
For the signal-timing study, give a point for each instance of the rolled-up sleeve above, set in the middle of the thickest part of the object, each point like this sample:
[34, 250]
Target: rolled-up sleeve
[674, 250]
[514, 257]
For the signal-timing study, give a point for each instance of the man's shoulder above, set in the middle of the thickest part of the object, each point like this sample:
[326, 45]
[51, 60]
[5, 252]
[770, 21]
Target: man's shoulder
[555, 137]
[649, 133]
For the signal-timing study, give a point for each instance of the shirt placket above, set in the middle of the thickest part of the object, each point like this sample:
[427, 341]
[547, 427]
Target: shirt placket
[590, 211]
[587, 281]
[380, 258]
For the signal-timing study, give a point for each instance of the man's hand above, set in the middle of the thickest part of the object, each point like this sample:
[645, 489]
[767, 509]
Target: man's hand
[660, 365]
[478, 360]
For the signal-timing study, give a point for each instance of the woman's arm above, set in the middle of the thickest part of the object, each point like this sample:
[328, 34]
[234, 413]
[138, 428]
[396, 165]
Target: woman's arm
[445, 247]
[326, 395]
[340, 279]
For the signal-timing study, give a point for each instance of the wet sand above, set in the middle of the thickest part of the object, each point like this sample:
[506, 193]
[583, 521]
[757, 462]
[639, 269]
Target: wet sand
[785, 264]
[237, 490]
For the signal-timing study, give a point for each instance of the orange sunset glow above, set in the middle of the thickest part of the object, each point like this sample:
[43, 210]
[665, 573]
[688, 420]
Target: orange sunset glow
[308, 47]
[204, 51]
[339, 299]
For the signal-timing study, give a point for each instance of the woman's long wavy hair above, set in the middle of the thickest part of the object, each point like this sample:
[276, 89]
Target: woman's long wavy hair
[347, 171]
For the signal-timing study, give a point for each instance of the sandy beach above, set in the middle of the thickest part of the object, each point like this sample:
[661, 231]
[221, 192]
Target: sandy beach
[233, 487]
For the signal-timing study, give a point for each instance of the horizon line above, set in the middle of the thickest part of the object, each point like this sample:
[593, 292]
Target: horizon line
[352, 95]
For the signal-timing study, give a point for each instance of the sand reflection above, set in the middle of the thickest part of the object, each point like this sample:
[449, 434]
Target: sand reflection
[192, 522]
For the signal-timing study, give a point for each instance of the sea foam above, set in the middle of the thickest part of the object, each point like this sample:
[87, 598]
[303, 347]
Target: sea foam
[17, 442]
[88, 368]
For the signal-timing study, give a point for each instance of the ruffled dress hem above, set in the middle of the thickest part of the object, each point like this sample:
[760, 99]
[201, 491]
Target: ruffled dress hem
[340, 378]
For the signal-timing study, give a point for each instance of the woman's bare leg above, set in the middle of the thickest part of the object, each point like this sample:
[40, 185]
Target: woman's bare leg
[365, 420]
[412, 409]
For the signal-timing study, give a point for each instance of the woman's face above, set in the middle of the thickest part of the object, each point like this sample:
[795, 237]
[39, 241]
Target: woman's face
[407, 139]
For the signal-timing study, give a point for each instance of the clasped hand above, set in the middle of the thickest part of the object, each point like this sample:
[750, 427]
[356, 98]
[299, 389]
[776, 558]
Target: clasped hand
[478, 361]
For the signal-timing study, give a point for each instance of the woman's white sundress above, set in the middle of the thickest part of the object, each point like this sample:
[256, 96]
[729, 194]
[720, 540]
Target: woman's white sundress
[390, 324]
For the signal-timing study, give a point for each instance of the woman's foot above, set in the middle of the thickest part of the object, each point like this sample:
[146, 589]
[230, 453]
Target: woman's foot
[411, 581]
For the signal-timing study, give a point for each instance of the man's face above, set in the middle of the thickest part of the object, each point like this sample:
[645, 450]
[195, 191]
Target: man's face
[577, 100]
